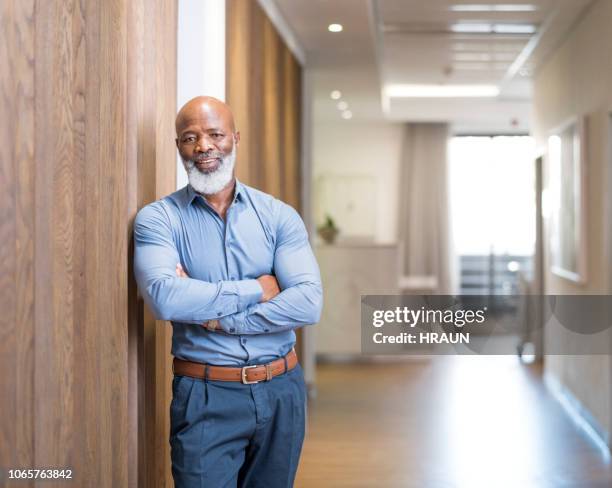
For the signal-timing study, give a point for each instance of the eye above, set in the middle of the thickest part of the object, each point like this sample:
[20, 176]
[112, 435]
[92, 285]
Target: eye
[217, 135]
[189, 139]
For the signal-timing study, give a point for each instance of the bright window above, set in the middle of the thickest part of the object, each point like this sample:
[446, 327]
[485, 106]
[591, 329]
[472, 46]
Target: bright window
[492, 196]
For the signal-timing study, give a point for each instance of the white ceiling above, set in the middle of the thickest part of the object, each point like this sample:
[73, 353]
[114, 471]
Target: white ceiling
[413, 42]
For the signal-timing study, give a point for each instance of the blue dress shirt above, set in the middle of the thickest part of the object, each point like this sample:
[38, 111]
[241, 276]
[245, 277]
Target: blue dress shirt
[260, 235]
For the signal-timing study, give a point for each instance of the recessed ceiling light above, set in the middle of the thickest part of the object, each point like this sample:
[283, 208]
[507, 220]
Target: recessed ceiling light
[441, 91]
[473, 7]
[342, 105]
[484, 45]
[335, 95]
[471, 66]
[347, 114]
[514, 28]
[472, 56]
[471, 28]
[477, 28]
[463, 66]
[483, 56]
[334, 28]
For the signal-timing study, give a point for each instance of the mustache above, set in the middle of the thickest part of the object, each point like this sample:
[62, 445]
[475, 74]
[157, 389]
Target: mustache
[204, 156]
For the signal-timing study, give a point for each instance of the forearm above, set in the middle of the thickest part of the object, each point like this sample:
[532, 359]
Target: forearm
[191, 300]
[294, 307]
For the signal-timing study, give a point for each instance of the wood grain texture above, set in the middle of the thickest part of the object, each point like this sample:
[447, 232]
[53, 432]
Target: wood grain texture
[255, 83]
[263, 80]
[157, 174]
[272, 98]
[88, 91]
[16, 229]
[237, 44]
[155, 76]
[291, 185]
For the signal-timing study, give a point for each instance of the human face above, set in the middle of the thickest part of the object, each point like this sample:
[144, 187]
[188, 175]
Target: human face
[205, 142]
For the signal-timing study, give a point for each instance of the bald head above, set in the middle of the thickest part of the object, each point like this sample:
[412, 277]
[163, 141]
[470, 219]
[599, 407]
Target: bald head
[209, 111]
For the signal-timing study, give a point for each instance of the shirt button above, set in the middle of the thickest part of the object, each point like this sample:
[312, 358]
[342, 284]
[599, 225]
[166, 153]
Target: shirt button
[243, 340]
[218, 314]
[232, 278]
[232, 329]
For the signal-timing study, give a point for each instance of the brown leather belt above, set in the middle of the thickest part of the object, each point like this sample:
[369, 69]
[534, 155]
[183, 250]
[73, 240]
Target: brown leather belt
[246, 374]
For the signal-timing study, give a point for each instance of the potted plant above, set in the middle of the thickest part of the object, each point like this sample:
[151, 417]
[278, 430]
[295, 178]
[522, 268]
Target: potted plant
[328, 231]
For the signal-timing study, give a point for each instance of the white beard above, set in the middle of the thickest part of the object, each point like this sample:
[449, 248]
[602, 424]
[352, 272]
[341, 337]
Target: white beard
[214, 182]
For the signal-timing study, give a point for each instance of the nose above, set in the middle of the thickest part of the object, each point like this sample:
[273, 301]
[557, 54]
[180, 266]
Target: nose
[204, 145]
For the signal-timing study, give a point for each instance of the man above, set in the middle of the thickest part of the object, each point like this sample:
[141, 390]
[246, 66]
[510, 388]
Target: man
[232, 268]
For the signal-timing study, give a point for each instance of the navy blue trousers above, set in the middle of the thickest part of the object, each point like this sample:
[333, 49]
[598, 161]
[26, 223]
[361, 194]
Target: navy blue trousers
[226, 434]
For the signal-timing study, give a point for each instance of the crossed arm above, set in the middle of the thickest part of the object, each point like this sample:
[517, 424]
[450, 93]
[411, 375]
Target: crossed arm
[295, 268]
[241, 307]
[268, 284]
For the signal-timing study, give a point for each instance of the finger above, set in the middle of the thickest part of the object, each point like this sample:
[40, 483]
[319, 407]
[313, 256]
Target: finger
[208, 326]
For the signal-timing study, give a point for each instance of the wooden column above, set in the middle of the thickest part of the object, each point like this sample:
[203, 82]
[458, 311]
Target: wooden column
[291, 123]
[153, 80]
[88, 93]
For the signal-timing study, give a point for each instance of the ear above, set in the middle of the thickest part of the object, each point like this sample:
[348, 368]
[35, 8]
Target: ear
[176, 142]
[237, 137]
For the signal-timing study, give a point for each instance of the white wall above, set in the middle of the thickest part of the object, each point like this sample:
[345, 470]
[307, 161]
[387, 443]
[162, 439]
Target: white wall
[577, 80]
[370, 149]
[200, 56]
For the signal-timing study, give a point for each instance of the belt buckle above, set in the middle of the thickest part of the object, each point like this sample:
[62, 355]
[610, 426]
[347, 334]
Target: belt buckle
[243, 375]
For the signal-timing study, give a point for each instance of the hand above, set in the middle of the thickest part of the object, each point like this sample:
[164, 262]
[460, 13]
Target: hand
[270, 287]
[180, 272]
[210, 325]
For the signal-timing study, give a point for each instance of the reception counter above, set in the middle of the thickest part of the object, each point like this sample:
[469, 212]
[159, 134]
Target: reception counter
[349, 271]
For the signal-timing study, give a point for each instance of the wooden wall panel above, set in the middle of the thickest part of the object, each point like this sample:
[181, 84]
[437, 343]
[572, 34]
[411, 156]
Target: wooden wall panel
[271, 116]
[238, 43]
[158, 178]
[86, 139]
[59, 229]
[291, 185]
[263, 89]
[255, 82]
[16, 232]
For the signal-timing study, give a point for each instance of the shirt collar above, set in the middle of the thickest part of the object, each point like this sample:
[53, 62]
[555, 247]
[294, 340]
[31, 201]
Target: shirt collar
[191, 194]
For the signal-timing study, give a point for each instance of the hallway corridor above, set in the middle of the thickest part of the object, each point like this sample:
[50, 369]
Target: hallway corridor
[452, 422]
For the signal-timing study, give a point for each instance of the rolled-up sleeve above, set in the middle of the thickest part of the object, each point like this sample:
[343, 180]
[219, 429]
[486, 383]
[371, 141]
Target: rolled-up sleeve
[297, 272]
[174, 298]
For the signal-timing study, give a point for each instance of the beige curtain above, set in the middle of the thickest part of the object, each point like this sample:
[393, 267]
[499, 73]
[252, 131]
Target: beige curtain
[424, 221]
